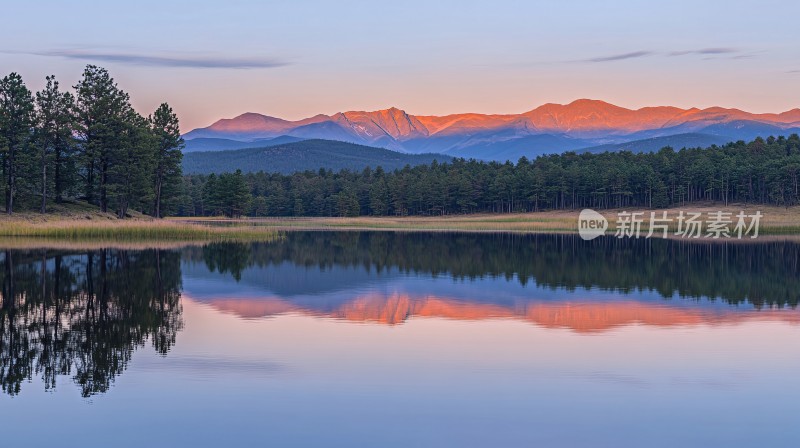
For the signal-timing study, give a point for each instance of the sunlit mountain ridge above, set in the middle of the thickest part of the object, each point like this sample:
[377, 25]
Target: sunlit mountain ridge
[583, 123]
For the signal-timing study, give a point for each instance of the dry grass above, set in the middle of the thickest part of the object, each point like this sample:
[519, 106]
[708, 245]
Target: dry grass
[35, 243]
[83, 224]
[129, 231]
[775, 220]
[475, 223]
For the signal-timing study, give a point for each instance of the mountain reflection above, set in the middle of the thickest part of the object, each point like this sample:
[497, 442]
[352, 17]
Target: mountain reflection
[582, 317]
[82, 314]
[760, 274]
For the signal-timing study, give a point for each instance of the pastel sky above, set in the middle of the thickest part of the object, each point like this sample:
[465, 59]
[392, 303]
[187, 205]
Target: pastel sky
[295, 59]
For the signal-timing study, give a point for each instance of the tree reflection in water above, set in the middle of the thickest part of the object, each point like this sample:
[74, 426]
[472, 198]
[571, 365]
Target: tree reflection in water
[84, 314]
[761, 273]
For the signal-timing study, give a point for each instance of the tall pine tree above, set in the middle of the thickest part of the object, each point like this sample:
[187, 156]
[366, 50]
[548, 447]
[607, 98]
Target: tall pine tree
[130, 172]
[103, 115]
[16, 126]
[168, 155]
[55, 123]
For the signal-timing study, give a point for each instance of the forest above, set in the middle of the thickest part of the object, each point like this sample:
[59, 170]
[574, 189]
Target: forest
[763, 171]
[86, 144]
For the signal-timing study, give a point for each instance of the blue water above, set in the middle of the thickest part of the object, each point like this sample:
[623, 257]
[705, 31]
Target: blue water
[290, 346]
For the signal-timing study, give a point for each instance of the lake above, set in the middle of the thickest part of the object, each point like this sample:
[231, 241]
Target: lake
[403, 339]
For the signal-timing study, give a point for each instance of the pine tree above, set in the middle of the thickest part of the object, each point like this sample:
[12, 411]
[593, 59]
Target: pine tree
[168, 154]
[212, 201]
[130, 173]
[102, 113]
[237, 194]
[16, 126]
[54, 139]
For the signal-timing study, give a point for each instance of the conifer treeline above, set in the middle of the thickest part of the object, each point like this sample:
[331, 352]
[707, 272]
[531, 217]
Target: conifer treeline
[88, 144]
[764, 171]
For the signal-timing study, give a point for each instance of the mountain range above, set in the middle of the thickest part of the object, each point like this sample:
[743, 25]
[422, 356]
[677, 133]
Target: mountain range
[584, 124]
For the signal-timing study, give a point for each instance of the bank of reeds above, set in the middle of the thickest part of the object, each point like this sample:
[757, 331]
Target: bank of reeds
[774, 221]
[119, 230]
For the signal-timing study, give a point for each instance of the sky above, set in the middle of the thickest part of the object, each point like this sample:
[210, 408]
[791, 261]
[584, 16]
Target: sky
[295, 59]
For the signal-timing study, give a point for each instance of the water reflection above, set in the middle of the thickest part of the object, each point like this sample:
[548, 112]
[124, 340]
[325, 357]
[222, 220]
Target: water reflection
[550, 280]
[758, 274]
[84, 314]
[350, 339]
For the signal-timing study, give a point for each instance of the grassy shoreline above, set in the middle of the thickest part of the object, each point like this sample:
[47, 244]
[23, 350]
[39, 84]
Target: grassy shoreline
[131, 231]
[91, 225]
[80, 222]
[775, 221]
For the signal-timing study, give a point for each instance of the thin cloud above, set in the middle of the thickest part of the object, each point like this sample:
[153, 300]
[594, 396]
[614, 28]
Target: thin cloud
[620, 57]
[706, 51]
[793, 71]
[166, 61]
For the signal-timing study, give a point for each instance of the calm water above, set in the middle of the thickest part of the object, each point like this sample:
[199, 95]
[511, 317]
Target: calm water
[381, 339]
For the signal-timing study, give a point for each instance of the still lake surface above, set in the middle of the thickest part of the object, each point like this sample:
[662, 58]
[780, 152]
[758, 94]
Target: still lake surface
[403, 339]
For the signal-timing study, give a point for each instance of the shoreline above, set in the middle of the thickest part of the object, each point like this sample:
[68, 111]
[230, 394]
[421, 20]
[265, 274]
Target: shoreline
[93, 226]
[775, 221]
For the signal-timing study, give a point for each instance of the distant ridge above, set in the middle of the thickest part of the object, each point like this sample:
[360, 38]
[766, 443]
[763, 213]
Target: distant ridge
[303, 155]
[580, 124]
[221, 144]
[676, 142]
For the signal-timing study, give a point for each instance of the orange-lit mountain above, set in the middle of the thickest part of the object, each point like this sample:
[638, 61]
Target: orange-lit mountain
[546, 129]
[269, 126]
[583, 317]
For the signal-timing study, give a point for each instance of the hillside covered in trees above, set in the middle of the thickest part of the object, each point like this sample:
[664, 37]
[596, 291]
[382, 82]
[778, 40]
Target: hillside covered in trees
[87, 144]
[764, 171]
[291, 157]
